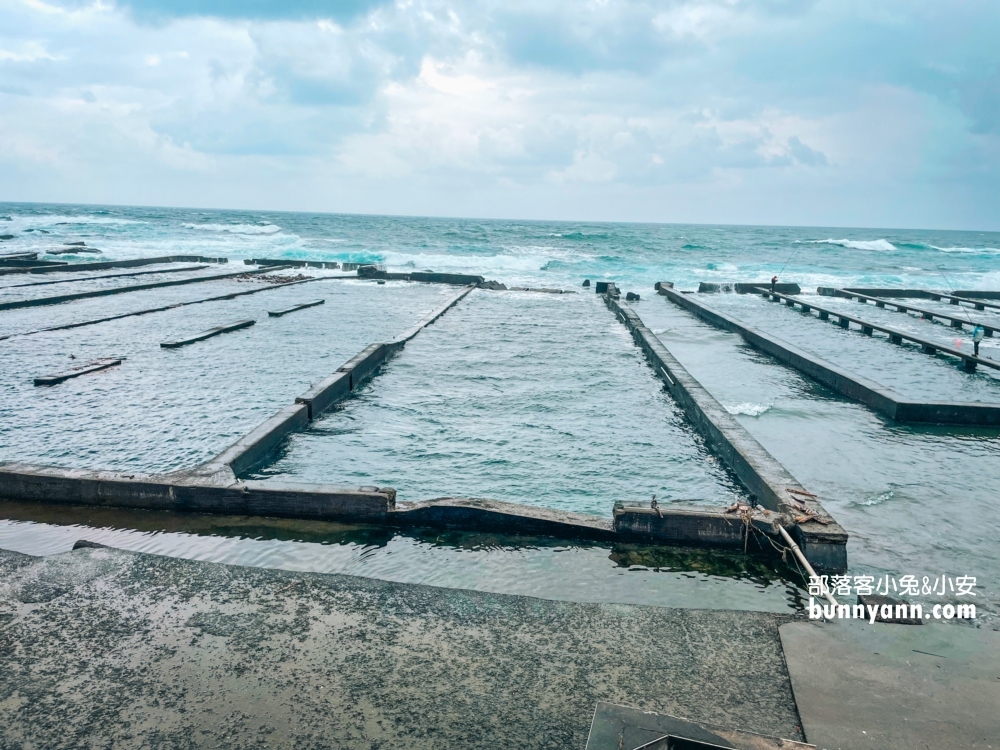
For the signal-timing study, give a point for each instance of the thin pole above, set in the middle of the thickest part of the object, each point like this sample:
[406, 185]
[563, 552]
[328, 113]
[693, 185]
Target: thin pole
[805, 563]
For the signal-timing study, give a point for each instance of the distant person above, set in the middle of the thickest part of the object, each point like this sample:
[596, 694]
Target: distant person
[774, 281]
[977, 335]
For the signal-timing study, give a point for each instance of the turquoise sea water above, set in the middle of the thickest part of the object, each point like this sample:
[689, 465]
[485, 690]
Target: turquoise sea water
[913, 499]
[520, 252]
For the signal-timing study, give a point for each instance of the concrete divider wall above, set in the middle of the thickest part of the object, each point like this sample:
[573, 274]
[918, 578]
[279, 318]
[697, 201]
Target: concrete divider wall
[829, 291]
[362, 365]
[432, 316]
[59, 299]
[255, 447]
[977, 294]
[700, 526]
[368, 271]
[326, 393]
[948, 413]
[860, 389]
[767, 480]
[133, 263]
[467, 514]
[746, 287]
[83, 487]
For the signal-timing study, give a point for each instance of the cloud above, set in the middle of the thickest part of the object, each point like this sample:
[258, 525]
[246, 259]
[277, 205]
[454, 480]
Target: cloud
[424, 105]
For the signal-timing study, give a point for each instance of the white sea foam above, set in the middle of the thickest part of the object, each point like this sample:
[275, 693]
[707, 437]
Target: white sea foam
[51, 220]
[969, 250]
[877, 499]
[723, 267]
[236, 228]
[876, 245]
[748, 408]
[527, 259]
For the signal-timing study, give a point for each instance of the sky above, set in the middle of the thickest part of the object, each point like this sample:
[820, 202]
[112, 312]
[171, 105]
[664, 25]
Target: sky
[794, 112]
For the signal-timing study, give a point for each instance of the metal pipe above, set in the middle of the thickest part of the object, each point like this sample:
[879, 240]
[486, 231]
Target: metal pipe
[805, 563]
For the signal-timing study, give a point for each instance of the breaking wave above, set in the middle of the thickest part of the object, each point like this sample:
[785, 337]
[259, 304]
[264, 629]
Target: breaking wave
[748, 408]
[876, 245]
[969, 250]
[236, 228]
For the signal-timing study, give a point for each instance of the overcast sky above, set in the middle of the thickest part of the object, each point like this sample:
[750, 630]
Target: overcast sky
[836, 112]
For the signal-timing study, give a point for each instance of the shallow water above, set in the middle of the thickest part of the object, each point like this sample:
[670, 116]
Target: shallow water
[935, 330]
[168, 409]
[627, 574]
[529, 398]
[913, 499]
[19, 287]
[905, 369]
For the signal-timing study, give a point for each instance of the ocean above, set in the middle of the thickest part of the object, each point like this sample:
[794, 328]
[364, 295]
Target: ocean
[528, 252]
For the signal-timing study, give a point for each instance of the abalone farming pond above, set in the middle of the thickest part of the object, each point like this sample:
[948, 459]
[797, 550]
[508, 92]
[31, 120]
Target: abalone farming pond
[912, 497]
[165, 409]
[537, 399]
[518, 396]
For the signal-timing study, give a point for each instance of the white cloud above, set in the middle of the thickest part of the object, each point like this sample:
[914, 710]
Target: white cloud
[405, 106]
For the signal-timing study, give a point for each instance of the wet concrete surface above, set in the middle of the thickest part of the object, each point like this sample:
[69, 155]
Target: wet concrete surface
[107, 648]
[895, 687]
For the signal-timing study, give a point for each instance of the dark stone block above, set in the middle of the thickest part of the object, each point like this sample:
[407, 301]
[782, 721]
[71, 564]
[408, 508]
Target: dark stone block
[878, 600]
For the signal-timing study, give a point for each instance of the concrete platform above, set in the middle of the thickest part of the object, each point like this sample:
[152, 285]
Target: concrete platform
[104, 648]
[895, 687]
[295, 308]
[210, 333]
[96, 366]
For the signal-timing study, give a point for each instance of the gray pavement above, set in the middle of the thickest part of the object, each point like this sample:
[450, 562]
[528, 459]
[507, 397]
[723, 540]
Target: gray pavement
[105, 648]
[895, 687]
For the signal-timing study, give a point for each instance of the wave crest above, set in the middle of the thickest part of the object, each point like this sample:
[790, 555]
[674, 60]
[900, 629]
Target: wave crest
[748, 408]
[236, 228]
[876, 245]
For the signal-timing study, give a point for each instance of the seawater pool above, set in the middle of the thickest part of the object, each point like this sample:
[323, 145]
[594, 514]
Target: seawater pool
[913, 499]
[28, 286]
[168, 409]
[903, 368]
[625, 573]
[517, 396]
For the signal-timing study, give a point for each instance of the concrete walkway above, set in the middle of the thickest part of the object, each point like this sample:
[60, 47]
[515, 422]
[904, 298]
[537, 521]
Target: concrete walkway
[105, 648]
[895, 687]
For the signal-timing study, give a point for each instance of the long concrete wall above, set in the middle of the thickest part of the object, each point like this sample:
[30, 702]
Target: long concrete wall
[162, 308]
[192, 494]
[824, 544]
[60, 299]
[465, 514]
[877, 397]
[254, 448]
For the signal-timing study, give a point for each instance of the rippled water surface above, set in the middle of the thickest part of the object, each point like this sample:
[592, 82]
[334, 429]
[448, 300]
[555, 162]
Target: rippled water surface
[913, 499]
[167, 409]
[533, 398]
[905, 369]
[629, 574]
[530, 398]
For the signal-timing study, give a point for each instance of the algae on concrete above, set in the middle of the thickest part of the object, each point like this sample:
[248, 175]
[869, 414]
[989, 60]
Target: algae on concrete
[106, 648]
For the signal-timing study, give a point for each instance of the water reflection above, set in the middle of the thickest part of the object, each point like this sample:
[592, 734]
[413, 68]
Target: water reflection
[535, 566]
